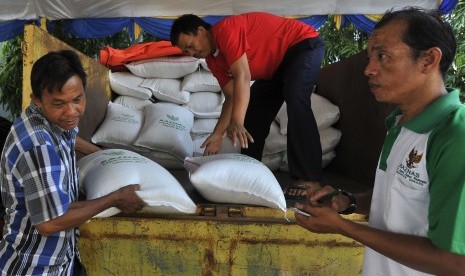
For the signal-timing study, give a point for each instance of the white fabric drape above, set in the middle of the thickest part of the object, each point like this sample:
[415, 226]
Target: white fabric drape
[66, 9]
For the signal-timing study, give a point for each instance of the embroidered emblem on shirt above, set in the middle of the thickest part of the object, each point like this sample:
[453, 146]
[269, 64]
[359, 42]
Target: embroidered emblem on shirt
[413, 158]
[411, 172]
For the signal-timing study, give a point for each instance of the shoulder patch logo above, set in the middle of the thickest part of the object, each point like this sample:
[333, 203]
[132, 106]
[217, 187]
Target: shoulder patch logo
[413, 158]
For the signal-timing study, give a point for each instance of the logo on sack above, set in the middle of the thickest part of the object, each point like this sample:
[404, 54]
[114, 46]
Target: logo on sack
[173, 122]
[172, 117]
[413, 158]
[113, 152]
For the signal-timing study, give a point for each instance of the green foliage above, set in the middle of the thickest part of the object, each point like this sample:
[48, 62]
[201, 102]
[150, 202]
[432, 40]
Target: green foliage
[341, 43]
[91, 46]
[456, 76]
[348, 41]
[11, 71]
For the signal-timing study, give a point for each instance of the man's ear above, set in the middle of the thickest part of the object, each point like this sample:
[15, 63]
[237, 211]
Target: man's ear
[201, 30]
[35, 100]
[431, 59]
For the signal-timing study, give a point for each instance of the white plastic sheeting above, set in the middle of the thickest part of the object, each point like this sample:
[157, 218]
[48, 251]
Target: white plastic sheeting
[65, 9]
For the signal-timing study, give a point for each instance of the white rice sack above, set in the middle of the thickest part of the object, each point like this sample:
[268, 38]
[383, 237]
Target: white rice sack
[327, 158]
[284, 165]
[275, 142]
[325, 112]
[281, 119]
[169, 67]
[125, 83]
[131, 102]
[203, 64]
[329, 139]
[206, 104]
[167, 128]
[227, 145]
[235, 178]
[168, 90]
[106, 171]
[202, 126]
[120, 126]
[200, 81]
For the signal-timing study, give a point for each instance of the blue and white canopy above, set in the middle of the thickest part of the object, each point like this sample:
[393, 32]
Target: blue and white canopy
[93, 19]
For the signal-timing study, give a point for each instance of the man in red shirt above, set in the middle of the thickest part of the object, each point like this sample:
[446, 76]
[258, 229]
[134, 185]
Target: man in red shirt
[283, 56]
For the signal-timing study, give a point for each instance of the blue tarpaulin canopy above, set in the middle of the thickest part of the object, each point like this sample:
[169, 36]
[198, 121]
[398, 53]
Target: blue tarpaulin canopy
[96, 19]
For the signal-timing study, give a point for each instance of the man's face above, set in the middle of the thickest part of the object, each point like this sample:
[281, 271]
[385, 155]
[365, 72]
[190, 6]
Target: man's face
[197, 45]
[63, 108]
[394, 76]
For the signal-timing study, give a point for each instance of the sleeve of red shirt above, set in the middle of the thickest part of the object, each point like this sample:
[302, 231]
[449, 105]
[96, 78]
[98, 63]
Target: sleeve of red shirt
[232, 41]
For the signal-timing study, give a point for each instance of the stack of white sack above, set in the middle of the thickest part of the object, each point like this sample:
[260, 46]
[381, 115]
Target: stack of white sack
[182, 90]
[193, 102]
[105, 171]
[158, 131]
[326, 115]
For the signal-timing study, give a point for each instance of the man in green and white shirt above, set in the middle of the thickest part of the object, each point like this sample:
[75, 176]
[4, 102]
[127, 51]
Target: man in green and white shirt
[417, 206]
[420, 181]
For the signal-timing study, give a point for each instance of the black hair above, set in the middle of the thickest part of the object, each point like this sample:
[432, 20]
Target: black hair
[54, 69]
[186, 24]
[425, 29]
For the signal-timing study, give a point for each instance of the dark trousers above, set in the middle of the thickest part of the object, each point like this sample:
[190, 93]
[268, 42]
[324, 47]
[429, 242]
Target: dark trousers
[293, 83]
[78, 268]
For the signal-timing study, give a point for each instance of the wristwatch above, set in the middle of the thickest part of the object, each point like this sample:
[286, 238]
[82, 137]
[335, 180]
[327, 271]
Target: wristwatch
[352, 202]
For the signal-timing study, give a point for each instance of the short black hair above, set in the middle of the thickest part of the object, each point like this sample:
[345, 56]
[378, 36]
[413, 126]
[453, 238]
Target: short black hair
[425, 29]
[186, 24]
[54, 69]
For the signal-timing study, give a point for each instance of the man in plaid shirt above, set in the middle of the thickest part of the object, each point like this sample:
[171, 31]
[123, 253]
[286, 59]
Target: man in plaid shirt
[39, 181]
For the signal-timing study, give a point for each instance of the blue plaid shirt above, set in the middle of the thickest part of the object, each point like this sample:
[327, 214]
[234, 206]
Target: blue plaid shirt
[38, 183]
